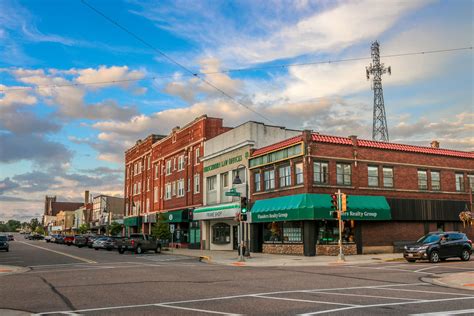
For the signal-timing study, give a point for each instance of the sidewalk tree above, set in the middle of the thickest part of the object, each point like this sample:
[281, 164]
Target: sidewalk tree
[83, 228]
[161, 230]
[115, 228]
[39, 230]
[33, 224]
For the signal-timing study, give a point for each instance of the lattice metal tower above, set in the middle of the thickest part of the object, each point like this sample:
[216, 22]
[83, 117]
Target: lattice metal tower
[379, 128]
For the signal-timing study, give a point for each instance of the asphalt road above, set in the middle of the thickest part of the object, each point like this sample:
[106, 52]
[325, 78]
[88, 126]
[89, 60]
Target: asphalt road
[68, 280]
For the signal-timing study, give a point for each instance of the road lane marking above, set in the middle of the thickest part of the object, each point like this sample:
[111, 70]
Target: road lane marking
[423, 269]
[456, 312]
[194, 309]
[389, 304]
[301, 300]
[430, 292]
[232, 297]
[374, 296]
[69, 270]
[61, 253]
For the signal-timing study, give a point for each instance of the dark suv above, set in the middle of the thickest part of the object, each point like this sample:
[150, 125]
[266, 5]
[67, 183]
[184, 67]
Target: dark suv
[439, 246]
[4, 243]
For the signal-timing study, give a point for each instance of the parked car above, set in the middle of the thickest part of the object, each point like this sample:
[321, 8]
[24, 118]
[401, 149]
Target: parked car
[104, 243]
[139, 243]
[439, 246]
[48, 238]
[4, 243]
[10, 237]
[59, 239]
[91, 239]
[80, 241]
[68, 240]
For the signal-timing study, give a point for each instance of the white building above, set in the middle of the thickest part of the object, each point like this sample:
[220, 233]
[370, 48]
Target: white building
[105, 210]
[225, 157]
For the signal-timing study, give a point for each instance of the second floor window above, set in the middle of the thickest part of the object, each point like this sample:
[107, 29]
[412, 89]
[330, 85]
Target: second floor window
[211, 183]
[422, 180]
[285, 176]
[197, 183]
[388, 177]
[180, 162]
[471, 181]
[155, 194]
[435, 181]
[173, 188]
[269, 179]
[168, 167]
[459, 182]
[373, 173]
[181, 187]
[299, 173]
[343, 174]
[257, 182]
[321, 172]
[157, 171]
[168, 191]
[197, 156]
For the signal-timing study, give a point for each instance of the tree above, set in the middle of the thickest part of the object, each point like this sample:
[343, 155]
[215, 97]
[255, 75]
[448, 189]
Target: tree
[115, 228]
[83, 228]
[40, 230]
[13, 225]
[33, 224]
[161, 230]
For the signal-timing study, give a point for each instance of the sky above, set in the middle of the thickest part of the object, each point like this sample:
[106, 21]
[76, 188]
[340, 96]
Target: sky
[76, 90]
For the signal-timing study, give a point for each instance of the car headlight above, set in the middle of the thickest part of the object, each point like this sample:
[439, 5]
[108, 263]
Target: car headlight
[405, 247]
[423, 248]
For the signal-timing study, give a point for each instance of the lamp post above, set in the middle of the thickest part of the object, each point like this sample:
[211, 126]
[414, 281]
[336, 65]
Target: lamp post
[243, 239]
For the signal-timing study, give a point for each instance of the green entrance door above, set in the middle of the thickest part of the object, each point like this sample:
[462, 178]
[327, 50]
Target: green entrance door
[194, 235]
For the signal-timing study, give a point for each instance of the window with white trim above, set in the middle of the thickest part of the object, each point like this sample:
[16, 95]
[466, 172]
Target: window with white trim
[168, 191]
[422, 180]
[197, 183]
[157, 171]
[299, 173]
[139, 187]
[147, 205]
[388, 177]
[181, 188]
[471, 181]
[181, 162]
[155, 194]
[269, 179]
[284, 173]
[459, 182]
[196, 156]
[373, 176]
[321, 172]
[148, 184]
[173, 188]
[435, 181]
[343, 174]
[211, 183]
[257, 180]
[168, 167]
[189, 184]
[174, 163]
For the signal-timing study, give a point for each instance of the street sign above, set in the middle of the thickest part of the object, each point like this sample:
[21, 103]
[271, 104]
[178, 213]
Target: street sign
[232, 192]
[172, 228]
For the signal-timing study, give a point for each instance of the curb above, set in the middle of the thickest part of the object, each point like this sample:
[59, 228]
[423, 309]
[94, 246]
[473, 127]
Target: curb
[437, 281]
[8, 270]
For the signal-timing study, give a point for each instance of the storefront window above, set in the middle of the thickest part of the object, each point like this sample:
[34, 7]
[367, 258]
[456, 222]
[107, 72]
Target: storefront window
[283, 232]
[328, 232]
[221, 233]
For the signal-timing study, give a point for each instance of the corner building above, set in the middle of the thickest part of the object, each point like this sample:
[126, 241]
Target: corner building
[396, 193]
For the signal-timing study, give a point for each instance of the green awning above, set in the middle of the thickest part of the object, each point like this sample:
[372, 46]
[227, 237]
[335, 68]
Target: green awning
[132, 221]
[318, 206]
[176, 216]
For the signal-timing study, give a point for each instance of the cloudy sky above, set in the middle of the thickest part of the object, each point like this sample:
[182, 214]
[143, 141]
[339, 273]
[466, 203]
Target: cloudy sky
[65, 123]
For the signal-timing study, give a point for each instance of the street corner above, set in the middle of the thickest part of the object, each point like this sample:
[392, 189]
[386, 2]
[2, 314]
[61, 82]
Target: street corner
[7, 270]
[460, 280]
[13, 312]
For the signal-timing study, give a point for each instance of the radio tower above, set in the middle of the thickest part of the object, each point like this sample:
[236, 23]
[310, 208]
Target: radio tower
[379, 129]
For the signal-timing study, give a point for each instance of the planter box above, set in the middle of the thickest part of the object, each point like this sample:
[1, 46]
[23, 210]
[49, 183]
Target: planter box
[284, 249]
[333, 250]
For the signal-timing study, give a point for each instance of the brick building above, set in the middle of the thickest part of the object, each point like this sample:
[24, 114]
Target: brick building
[170, 177]
[396, 193]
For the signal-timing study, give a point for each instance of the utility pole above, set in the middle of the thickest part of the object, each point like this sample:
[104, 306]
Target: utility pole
[377, 69]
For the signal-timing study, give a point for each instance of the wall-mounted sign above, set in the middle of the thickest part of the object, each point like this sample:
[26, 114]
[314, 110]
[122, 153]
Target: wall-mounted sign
[223, 163]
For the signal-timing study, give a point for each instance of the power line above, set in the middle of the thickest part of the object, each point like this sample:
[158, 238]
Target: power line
[147, 44]
[334, 61]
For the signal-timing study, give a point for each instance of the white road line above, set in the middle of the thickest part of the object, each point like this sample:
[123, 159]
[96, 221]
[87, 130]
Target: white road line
[419, 270]
[374, 296]
[394, 269]
[391, 304]
[456, 312]
[430, 292]
[194, 309]
[233, 296]
[59, 252]
[69, 270]
[301, 300]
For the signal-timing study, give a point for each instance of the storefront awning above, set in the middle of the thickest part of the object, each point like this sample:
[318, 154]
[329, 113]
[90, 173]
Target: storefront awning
[176, 216]
[132, 221]
[216, 211]
[318, 206]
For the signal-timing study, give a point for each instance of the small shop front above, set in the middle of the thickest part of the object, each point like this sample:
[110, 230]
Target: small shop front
[133, 224]
[303, 224]
[219, 230]
[179, 227]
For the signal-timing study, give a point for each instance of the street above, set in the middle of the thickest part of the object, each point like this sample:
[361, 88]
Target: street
[66, 279]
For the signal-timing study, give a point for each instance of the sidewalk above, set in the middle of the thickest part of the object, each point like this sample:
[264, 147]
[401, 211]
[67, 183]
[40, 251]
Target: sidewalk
[269, 260]
[463, 280]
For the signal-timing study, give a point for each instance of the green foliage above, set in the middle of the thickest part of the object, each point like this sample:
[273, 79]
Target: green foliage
[83, 228]
[115, 228]
[161, 230]
[10, 226]
[34, 223]
[40, 230]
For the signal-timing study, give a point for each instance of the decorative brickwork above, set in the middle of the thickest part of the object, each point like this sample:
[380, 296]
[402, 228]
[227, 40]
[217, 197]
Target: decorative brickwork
[333, 250]
[283, 249]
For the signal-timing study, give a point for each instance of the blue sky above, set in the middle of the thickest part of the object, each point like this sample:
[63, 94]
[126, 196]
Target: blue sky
[64, 140]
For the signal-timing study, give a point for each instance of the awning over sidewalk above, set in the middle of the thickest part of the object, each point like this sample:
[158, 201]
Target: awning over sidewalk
[176, 216]
[318, 206]
[132, 221]
[216, 211]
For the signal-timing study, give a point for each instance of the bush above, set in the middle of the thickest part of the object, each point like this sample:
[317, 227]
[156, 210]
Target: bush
[161, 230]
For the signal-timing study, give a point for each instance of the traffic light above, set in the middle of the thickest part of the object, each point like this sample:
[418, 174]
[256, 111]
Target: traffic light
[334, 202]
[335, 214]
[243, 209]
[343, 202]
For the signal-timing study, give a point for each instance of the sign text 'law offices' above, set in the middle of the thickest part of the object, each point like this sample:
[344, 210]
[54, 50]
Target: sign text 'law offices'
[223, 163]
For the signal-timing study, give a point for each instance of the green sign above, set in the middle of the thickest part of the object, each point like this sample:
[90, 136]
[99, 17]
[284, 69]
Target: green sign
[232, 192]
[223, 163]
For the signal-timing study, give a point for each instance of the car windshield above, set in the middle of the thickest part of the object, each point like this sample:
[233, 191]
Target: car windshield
[3, 238]
[429, 238]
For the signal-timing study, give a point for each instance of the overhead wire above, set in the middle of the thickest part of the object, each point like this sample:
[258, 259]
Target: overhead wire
[334, 61]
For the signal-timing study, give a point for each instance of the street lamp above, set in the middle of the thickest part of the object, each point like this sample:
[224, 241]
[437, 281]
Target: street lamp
[237, 180]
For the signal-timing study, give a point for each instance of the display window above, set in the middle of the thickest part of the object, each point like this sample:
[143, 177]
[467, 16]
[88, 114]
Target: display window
[221, 233]
[328, 232]
[283, 232]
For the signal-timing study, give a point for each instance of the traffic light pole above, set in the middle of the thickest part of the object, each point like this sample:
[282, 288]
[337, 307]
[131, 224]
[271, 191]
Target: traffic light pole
[339, 217]
[241, 242]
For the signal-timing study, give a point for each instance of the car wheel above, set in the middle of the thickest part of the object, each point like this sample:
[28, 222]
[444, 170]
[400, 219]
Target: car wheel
[8, 250]
[121, 251]
[158, 249]
[465, 255]
[434, 257]
[109, 249]
[96, 248]
[411, 260]
[138, 250]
